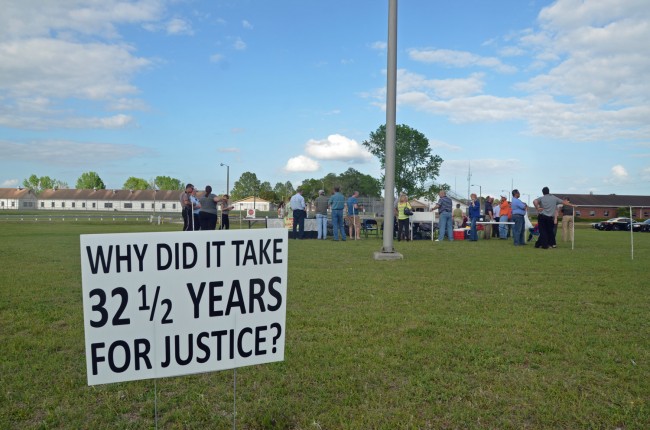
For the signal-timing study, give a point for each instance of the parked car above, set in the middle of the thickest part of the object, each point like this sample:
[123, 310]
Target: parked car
[636, 226]
[616, 224]
[645, 226]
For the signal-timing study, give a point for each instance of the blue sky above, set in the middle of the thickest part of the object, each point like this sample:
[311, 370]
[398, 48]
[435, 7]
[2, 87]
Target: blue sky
[525, 93]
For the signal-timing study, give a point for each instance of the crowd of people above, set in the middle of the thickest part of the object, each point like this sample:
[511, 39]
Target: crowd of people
[203, 213]
[509, 218]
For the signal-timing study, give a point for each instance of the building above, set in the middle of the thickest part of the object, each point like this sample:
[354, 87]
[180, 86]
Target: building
[17, 199]
[607, 205]
[252, 202]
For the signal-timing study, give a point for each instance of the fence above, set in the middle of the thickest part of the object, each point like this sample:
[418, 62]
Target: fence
[159, 219]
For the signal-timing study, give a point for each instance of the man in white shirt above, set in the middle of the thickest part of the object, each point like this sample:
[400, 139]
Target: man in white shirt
[299, 214]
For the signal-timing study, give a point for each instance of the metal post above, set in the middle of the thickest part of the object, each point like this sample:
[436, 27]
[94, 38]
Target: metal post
[387, 251]
[227, 178]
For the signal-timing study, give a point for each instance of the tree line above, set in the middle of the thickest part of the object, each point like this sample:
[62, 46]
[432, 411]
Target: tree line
[416, 168]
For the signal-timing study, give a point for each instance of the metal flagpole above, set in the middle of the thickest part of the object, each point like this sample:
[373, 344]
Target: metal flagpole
[573, 229]
[387, 252]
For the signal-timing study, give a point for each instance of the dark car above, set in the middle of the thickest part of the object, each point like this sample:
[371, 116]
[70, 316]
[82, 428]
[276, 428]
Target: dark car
[616, 224]
[645, 226]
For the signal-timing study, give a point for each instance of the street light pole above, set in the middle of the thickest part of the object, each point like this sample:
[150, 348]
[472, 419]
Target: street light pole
[480, 189]
[227, 178]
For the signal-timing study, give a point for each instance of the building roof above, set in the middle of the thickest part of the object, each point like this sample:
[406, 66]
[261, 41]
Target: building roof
[251, 199]
[16, 193]
[123, 195]
[606, 200]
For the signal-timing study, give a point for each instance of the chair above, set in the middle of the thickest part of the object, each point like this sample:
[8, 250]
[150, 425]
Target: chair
[369, 226]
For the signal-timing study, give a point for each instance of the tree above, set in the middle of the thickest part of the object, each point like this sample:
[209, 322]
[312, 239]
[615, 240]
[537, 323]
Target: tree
[167, 183]
[266, 192]
[414, 163]
[134, 183]
[38, 184]
[90, 180]
[247, 185]
[284, 191]
[352, 180]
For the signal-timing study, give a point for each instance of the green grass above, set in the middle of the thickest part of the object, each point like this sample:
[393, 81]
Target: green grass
[455, 335]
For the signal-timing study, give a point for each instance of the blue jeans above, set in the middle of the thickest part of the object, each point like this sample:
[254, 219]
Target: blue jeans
[503, 228]
[446, 226]
[337, 223]
[473, 234]
[518, 229]
[321, 223]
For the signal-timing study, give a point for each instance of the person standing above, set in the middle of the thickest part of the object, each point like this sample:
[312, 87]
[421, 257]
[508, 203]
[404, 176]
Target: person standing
[354, 222]
[402, 218]
[337, 202]
[546, 206]
[567, 221]
[297, 203]
[488, 216]
[444, 206]
[196, 208]
[225, 212]
[496, 209]
[474, 212]
[321, 214]
[457, 215]
[505, 214]
[208, 212]
[519, 209]
[186, 207]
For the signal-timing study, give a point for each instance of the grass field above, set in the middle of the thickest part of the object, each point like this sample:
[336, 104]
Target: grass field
[457, 335]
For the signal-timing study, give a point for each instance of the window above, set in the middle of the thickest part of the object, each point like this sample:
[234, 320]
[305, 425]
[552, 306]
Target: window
[74, 205]
[94, 205]
[592, 213]
[141, 205]
[174, 206]
[42, 204]
[62, 204]
[163, 206]
[2, 204]
[605, 213]
[13, 204]
[577, 213]
[83, 205]
[52, 204]
[128, 205]
[28, 204]
[108, 205]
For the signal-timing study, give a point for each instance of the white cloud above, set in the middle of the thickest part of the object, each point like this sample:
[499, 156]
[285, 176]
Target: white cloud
[216, 58]
[591, 61]
[228, 150]
[301, 163]
[9, 183]
[337, 147]
[239, 44]
[379, 46]
[51, 52]
[179, 26]
[68, 153]
[437, 144]
[247, 25]
[458, 59]
[619, 171]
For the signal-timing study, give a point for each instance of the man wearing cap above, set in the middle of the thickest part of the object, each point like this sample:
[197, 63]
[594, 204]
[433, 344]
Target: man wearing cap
[444, 205]
[321, 214]
[337, 203]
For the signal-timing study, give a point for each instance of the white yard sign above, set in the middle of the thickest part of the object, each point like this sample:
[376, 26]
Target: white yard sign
[167, 304]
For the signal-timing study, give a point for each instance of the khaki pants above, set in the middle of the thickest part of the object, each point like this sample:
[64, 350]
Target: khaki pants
[354, 221]
[567, 227]
[487, 228]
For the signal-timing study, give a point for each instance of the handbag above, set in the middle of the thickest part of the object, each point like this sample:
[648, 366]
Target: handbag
[408, 211]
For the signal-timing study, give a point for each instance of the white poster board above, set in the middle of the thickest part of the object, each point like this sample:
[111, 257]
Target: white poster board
[177, 303]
